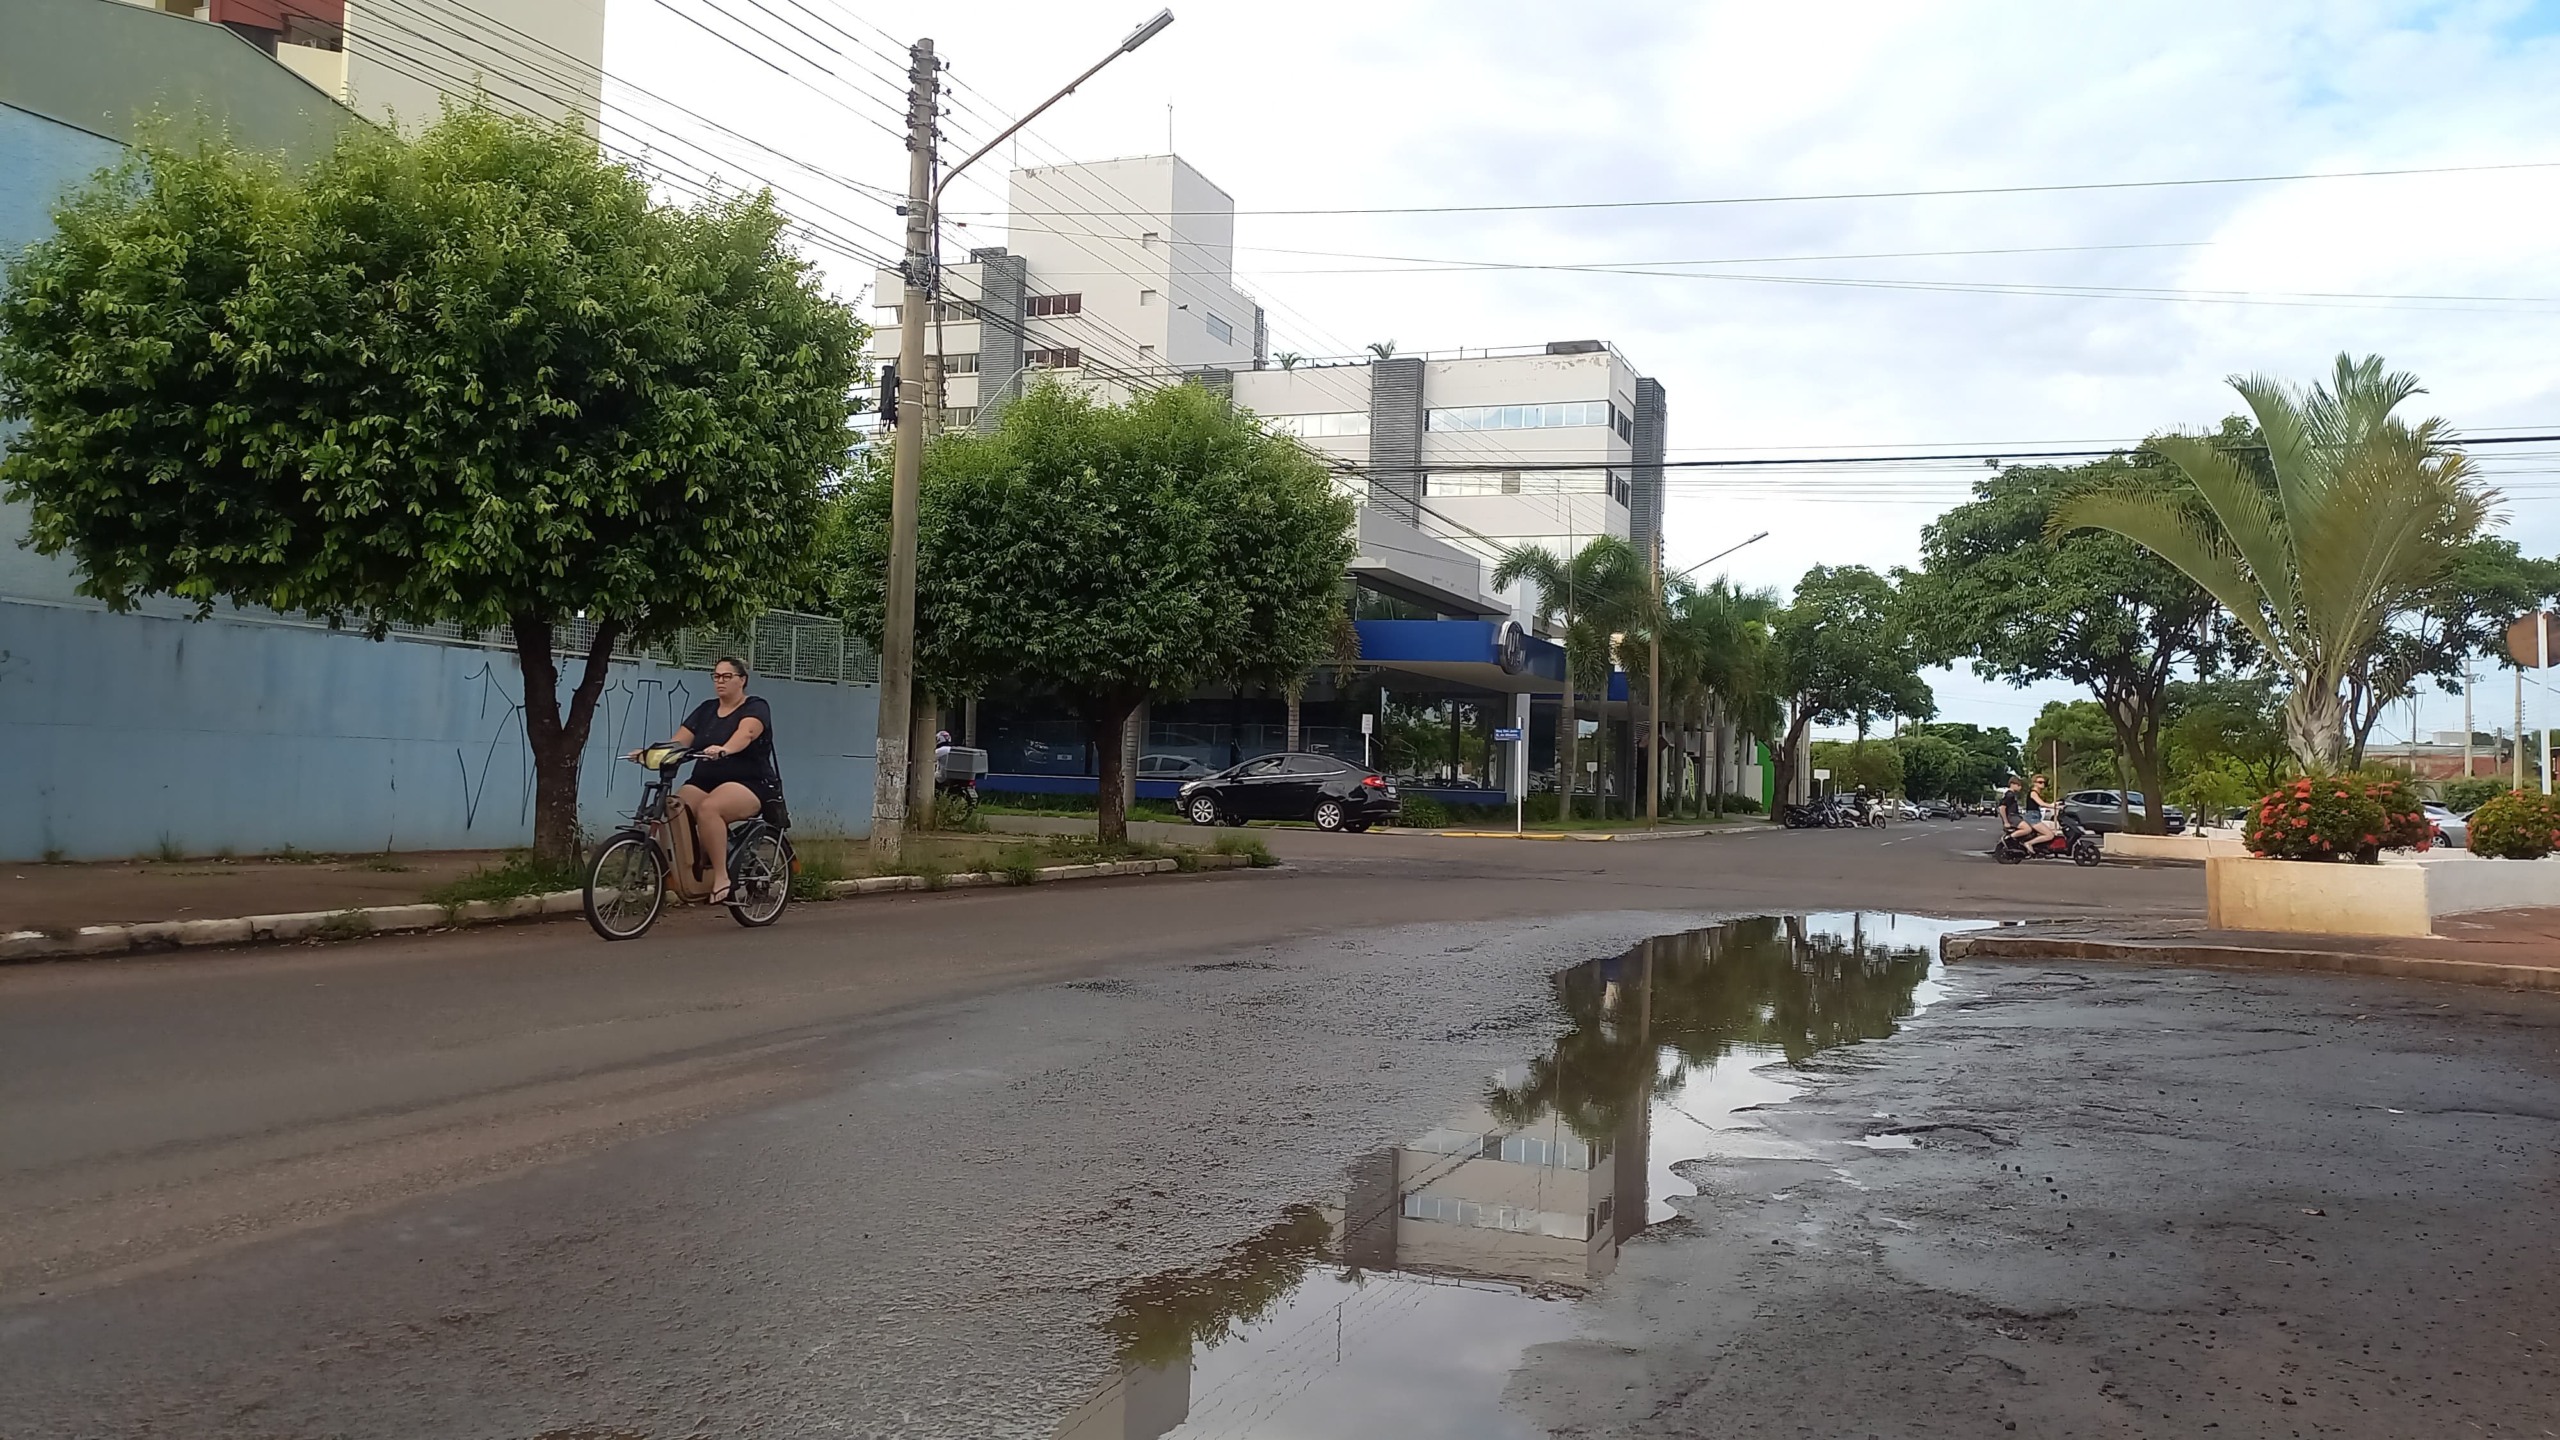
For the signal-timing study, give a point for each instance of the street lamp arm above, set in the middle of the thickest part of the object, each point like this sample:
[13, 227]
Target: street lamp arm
[1710, 560]
[1138, 37]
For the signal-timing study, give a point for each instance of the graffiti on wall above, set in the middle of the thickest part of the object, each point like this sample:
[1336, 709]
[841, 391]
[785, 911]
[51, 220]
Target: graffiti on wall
[632, 711]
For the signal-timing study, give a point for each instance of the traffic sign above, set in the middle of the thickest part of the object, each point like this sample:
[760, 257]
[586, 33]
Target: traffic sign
[1506, 733]
[2527, 648]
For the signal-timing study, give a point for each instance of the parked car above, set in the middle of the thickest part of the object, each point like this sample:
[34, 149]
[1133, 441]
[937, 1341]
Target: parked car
[1946, 810]
[1170, 767]
[1333, 793]
[2452, 831]
[2103, 811]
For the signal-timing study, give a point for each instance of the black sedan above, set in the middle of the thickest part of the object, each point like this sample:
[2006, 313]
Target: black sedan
[1335, 794]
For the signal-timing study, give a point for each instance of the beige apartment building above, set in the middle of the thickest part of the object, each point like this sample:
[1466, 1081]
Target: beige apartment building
[395, 61]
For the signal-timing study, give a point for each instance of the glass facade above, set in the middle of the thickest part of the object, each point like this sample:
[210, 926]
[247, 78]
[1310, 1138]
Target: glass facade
[1529, 417]
[1527, 482]
[1339, 422]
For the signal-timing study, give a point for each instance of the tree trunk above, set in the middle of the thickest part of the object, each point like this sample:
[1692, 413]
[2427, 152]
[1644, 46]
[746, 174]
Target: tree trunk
[556, 745]
[1799, 720]
[1714, 715]
[1567, 743]
[2314, 727]
[1110, 724]
[1294, 688]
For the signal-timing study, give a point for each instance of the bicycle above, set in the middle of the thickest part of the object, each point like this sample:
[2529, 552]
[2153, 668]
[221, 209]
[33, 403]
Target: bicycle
[628, 881]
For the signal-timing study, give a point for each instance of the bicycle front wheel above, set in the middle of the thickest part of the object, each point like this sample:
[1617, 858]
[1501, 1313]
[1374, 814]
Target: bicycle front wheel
[760, 878]
[626, 887]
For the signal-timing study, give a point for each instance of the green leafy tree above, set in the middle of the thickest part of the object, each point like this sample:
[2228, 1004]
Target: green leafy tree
[477, 377]
[2087, 606]
[1113, 554]
[1875, 765]
[2365, 513]
[2231, 723]
[1841, 654]
[1932, 768]
[2461, 614]
[1989, 756]
[2080, 732]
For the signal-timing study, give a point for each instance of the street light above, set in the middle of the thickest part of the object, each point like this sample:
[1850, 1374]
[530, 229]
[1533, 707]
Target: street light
[898, 622]
[1710, 560]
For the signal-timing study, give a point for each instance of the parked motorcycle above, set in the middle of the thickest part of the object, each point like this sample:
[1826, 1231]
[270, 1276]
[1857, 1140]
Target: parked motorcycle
[1810, 816]
[2074, 843]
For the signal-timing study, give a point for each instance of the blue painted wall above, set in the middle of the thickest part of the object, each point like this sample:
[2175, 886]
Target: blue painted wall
[128, 730]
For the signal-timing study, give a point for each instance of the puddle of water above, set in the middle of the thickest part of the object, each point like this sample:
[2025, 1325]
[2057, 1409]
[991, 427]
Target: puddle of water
[1402, 1307]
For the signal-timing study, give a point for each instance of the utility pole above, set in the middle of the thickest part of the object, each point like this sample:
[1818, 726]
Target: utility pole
[1653, 703]
[2466, 720]
[898, 628]
[2519, 745]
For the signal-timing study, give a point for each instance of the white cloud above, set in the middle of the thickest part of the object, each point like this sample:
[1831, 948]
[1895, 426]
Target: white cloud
[1331, 105]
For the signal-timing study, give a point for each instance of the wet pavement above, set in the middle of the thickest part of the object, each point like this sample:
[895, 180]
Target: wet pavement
[1433, 1143]
[1340, 1319]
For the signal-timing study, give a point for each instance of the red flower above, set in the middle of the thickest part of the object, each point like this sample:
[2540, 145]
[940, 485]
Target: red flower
[2373, 839]
[2316, 840]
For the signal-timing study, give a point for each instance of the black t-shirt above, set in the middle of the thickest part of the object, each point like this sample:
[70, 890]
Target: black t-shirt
[2012, 806]
[752, 766]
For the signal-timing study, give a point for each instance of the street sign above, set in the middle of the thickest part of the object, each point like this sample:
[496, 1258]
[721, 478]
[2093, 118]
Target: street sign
[1368, 723]
[2526, 648]
[1821, 774]
[1505, 733]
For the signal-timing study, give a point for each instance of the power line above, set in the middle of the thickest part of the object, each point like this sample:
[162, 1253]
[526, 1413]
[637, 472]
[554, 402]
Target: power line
[1565, 205]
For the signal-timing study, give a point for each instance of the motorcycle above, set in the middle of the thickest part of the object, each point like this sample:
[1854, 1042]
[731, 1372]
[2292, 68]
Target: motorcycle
[1811, 816]
[2075, 843]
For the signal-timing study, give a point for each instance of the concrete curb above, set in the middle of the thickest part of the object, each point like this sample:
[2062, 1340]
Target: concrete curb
[2251, 957]
[93, 940]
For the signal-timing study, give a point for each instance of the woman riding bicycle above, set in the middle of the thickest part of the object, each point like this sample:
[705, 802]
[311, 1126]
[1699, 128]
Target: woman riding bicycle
[734, 775]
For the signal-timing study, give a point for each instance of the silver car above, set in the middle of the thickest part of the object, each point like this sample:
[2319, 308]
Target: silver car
[2452, 831]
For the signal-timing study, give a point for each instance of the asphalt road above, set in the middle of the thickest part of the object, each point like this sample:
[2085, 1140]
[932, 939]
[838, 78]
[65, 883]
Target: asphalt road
[992, 1162]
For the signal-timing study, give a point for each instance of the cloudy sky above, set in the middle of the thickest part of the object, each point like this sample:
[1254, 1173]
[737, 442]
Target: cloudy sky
[1782, 326]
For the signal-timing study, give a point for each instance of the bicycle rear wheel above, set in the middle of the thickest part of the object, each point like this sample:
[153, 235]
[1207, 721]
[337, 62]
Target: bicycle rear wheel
[760, 878]
[626, 887]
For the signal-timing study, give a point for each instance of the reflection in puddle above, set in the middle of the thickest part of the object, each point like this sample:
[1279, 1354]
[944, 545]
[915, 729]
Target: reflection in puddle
[1402, 1309]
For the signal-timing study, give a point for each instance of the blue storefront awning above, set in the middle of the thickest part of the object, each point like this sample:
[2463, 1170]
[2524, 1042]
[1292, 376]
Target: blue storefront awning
[1496, 655]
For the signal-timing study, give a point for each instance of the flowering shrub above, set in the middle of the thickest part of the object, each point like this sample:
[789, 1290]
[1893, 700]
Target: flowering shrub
[2518, 825]
[2317, 818]
[2404, 825]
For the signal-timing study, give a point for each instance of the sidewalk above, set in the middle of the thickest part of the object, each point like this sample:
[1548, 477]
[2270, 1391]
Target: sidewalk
[36, 896]
[2519, 949]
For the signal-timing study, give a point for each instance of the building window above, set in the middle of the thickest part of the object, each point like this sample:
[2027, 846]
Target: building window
[1620, 422]
[1150, 238]
[1146, 298]
[1054, 305]
[1225, 333]
[959, 417]
[960, 364]
[1523, 417]
[1066, 357]
[1308, 427]
[1525, 482]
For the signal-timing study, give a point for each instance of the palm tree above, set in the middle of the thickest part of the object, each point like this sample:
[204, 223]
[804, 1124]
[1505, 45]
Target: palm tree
[2357, 511]
[1288, 359]
[1588, 592]
[1725, 632]
[1383, 349]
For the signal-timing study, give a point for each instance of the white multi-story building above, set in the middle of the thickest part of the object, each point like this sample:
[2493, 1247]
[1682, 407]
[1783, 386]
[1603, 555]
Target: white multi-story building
[1547, 445]
[1119, 276]
[400, 60]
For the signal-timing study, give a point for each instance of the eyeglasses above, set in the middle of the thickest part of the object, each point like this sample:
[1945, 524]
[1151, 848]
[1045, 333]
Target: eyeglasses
[727, 675]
